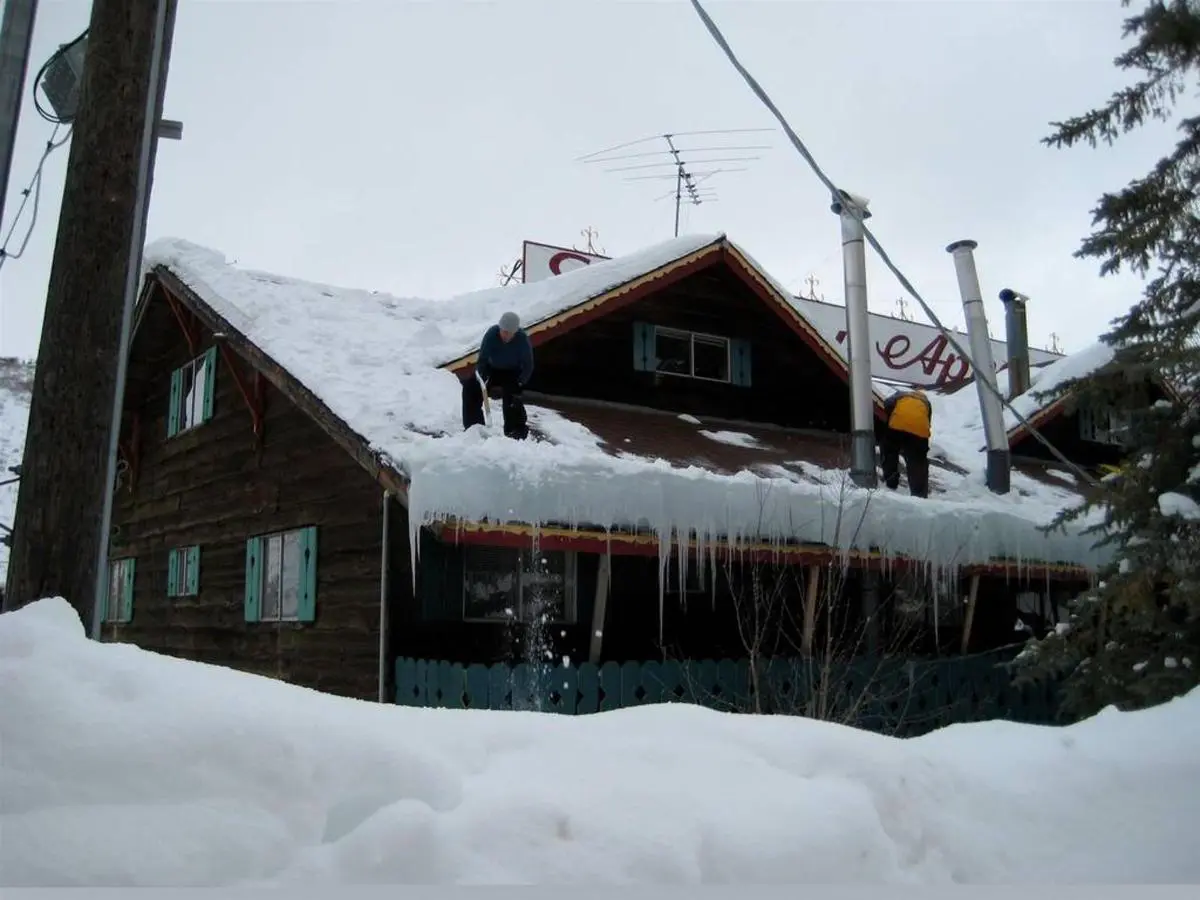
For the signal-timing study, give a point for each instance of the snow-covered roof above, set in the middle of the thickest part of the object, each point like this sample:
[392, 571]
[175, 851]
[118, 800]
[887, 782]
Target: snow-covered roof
[960, 411]
[1044, 384]
[376, 362]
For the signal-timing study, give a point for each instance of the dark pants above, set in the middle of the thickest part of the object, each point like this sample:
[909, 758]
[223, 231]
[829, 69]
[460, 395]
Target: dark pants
[513, 410]
[915, 450]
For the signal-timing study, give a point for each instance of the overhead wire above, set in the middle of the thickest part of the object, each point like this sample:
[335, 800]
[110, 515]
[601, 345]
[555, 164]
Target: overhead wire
[34, 188]
[717, 36]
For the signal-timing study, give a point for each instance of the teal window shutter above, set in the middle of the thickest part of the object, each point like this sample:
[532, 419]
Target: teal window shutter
[739, 352]
[192, 570]
[253, 602]
[210, 382]
[173, 410]
[173, 573]
[127, 590]
[643, 347]
[307, 611]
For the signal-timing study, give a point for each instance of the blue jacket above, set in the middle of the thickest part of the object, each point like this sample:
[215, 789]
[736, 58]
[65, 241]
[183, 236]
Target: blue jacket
[494, 354]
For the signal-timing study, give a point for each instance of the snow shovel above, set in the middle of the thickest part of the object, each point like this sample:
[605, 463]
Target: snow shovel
[487, 403]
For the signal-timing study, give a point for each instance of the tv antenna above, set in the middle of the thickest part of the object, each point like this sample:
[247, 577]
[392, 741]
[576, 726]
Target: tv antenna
[691, 165]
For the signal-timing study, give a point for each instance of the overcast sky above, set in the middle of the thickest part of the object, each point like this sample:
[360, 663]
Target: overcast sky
[410, 147]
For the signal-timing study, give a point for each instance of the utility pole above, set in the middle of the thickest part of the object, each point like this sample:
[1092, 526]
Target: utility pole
[60, 536]
[16, 35]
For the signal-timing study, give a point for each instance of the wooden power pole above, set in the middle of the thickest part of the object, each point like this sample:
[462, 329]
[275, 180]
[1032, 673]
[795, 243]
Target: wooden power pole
[59, 540]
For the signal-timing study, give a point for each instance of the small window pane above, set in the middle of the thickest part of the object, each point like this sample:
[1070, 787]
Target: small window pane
[116, 580]
[188, 389]
[711, 358]
[292, 567]
[272, 578]
[196, 397]
[673, 352]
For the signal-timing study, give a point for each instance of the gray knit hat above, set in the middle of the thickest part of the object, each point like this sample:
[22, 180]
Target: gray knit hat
[510, 321]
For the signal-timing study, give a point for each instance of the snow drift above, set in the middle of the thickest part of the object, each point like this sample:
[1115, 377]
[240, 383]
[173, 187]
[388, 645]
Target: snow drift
[123, 767]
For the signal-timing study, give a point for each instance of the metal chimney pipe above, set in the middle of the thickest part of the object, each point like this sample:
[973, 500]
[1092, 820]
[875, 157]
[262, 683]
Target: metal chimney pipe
[998, 461]
[853, 211]
[1016, 336]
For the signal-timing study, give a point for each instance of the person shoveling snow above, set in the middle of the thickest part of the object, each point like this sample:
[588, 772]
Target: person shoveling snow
[505, 364]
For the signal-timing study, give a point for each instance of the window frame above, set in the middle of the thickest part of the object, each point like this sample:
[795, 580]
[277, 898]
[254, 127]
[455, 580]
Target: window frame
[679, 333]
[119, 610]
[205, 364]
[256, 579]
[1104, 425]
[178, 582]
[570, 587]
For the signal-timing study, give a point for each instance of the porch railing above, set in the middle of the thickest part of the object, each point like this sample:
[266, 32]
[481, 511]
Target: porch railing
[894, 696]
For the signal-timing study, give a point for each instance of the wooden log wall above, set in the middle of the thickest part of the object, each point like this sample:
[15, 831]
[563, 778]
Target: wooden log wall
[791, 385]
[219, 484]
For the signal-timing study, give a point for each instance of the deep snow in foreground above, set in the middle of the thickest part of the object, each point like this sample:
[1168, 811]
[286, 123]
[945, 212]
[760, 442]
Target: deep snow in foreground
[121, 767]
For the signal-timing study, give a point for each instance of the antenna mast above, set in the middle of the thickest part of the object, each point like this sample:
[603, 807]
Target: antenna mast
[690, 172]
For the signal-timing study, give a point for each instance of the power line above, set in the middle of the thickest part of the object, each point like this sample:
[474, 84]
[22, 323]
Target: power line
[871, 239]
[35, 184]
[35, 190]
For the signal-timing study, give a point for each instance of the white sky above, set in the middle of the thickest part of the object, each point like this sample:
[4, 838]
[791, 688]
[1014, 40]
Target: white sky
[411, 146]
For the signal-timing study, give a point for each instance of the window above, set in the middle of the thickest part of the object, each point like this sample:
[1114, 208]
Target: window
[706, 357]
[694, 355]
[501, 585]
[192, 389]
[281, 577]
[183, 572]
[698, 572]
[1104, 425]
[118, 602]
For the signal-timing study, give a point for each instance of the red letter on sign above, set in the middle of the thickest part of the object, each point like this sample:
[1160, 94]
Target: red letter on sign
[558, 259]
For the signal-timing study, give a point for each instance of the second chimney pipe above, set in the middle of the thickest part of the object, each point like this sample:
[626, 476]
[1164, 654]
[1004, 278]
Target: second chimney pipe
[998, 462]
[853, 210]
[1016, 337]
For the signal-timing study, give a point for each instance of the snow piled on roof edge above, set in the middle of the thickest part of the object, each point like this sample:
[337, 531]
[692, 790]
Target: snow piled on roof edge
[489, 482]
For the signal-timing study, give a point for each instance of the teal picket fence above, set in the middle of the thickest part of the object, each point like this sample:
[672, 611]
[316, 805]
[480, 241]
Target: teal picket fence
[893, 696]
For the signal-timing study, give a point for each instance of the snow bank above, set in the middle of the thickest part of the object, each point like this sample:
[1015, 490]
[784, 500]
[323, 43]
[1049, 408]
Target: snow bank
[122, 767]
[374, 360]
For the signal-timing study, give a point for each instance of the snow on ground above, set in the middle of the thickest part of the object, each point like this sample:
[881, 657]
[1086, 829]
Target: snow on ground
[16, 385]
[374, 360]
[121, 767]
[733, 438]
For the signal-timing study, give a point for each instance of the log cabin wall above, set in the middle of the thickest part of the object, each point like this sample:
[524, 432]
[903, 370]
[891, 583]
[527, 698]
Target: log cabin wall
[214, 487]
[721, 614]
[789, 384]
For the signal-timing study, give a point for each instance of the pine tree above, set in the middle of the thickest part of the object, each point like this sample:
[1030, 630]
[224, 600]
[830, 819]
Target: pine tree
[1134, 640]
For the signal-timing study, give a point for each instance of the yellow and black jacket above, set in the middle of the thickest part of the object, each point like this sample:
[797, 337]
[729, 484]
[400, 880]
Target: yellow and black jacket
[910, 412]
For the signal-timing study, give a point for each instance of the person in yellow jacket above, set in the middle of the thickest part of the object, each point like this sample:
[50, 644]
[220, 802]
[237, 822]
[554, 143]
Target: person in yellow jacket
[909, 421]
